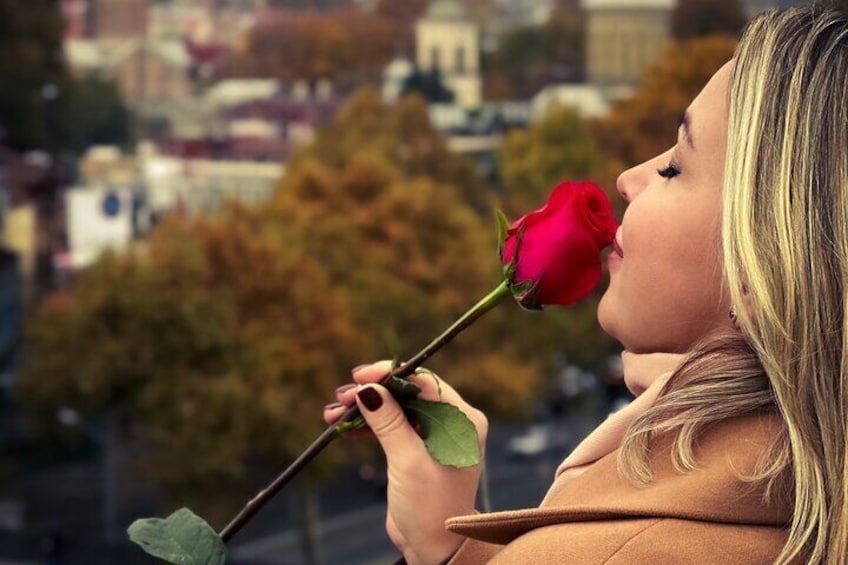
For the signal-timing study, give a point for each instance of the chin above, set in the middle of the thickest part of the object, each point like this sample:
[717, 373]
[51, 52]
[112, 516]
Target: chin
[606, 316]
[611, 322]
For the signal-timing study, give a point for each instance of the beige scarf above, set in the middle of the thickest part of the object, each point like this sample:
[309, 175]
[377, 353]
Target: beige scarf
[645, 375]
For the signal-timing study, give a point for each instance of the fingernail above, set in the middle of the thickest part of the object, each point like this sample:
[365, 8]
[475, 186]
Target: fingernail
[343, 388]
[370, 398]
[333, 405]
[358, 368]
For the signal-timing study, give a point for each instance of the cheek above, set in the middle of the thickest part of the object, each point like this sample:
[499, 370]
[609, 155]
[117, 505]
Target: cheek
[665, 293]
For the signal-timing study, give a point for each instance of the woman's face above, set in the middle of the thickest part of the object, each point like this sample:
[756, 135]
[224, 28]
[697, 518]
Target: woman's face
[666, 291]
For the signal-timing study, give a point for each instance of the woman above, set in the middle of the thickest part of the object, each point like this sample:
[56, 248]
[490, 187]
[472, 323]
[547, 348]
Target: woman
[730, 299]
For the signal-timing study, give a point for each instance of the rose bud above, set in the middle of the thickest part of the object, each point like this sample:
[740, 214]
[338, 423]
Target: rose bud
[552, 255]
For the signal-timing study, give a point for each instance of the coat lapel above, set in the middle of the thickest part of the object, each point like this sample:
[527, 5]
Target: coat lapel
[714, 492]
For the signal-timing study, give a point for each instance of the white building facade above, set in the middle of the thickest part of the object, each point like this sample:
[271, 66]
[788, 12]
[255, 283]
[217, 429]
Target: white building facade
[447, 40]
[624, 37]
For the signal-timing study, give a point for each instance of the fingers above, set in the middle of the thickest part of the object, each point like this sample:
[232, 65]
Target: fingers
[388, 422]
[332, 412]
[432, 387]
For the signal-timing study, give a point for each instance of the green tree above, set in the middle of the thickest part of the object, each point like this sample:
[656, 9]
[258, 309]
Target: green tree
[95, 114]
[32, 73]
[531, 57]
[428, 84]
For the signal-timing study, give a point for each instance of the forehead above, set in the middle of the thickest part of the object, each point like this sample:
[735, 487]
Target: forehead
[709, 112]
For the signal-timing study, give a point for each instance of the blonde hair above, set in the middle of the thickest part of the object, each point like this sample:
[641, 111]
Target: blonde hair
[785, 251]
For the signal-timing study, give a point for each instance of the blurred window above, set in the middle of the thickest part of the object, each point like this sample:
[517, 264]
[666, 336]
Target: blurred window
[460, 59]
[434, 58]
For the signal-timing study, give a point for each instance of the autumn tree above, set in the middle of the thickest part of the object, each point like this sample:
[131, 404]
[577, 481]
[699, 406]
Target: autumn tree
[697, 18]
[559, 146]
[406, 228]
[411, 257]
[346, 46]
[380, 181]
[311, 5]
[217, 346]
[403, 16]
[402, 134]
[406, 13]
[645, 124]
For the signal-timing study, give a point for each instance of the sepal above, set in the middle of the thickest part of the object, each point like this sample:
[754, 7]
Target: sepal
[503, 229]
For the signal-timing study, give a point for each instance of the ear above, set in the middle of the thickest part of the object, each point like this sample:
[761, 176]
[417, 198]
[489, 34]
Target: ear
[746, 305]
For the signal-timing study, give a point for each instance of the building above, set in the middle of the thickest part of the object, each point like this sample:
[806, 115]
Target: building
[202, 185]
[624, 37]
[395, 74]
[448, 41]
[99, 219]
[587, 100]
[119, 19]
[75, 14]
[145, 71]
[754, 7]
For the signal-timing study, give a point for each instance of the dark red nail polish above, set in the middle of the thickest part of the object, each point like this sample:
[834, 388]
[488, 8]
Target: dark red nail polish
[333, 405]
[370, 398]
[343, 388]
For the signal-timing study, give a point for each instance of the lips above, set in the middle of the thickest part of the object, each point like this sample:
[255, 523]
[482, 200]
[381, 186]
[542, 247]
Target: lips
[617, 247]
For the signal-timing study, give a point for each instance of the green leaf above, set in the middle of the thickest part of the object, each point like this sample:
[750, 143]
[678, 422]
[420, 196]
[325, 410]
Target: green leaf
[503, 228]
[449, 435]
[183, 538]
[402, 389]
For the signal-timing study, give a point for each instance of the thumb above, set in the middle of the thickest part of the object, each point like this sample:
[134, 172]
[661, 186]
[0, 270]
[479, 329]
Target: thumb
[387, 420]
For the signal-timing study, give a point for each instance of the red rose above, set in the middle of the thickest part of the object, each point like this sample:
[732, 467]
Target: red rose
[552, 255]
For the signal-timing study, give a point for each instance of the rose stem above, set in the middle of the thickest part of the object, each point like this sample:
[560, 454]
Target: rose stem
[333, 431]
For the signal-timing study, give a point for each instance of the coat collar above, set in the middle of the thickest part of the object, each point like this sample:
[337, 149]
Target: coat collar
[712, 493]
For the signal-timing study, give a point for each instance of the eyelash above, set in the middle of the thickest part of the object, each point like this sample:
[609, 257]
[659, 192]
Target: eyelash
[669, 172]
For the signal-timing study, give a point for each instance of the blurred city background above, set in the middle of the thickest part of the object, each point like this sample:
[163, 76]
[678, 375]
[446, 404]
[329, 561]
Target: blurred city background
[213, 209]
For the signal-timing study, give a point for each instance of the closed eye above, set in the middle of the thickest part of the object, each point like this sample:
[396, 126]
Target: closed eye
[669, 172]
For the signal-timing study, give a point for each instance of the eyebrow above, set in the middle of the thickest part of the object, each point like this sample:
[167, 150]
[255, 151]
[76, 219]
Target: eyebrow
[686, 124]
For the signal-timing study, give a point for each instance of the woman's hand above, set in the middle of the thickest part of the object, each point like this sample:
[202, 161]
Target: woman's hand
[422, 493]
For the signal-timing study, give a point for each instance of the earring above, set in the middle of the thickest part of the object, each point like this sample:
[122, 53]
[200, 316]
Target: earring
[732, 315]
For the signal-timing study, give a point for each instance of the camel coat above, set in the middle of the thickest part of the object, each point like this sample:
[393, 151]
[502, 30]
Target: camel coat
[708, 516]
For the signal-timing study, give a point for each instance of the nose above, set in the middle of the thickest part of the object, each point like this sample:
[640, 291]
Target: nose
[633, 181]
[626, 184]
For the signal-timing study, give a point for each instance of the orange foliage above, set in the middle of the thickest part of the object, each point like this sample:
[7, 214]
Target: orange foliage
[346, 46]
[645, 125]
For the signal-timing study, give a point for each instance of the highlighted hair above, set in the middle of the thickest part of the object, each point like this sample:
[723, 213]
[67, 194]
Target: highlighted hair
[785, 250]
